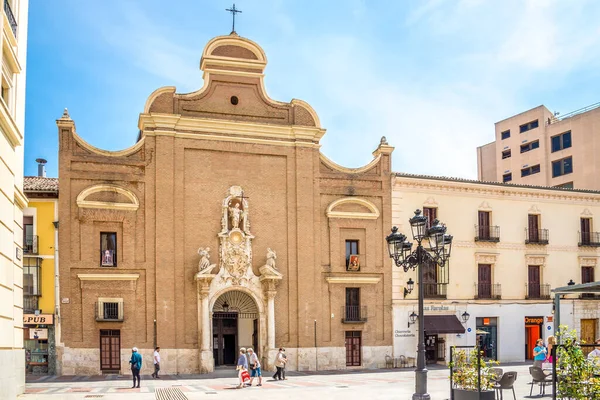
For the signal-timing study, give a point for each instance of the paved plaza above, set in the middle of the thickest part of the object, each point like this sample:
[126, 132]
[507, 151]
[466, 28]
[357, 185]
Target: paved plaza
[359, 384]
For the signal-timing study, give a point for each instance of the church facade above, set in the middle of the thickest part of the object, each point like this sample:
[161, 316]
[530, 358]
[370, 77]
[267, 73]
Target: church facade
[222, 227]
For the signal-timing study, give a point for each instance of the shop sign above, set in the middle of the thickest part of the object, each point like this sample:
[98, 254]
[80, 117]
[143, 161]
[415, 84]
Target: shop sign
[42, 319]
[433, 307]
[405, 333]
[38, 333]
[550, 318]
[534, 320]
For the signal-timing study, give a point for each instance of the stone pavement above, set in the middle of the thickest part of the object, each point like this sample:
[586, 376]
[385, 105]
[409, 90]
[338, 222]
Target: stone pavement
[333, 385]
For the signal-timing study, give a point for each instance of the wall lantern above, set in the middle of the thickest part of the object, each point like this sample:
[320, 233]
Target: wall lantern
[412, 318]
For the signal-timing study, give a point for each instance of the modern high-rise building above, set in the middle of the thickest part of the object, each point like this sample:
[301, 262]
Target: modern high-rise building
[539, 148]
[12, 200]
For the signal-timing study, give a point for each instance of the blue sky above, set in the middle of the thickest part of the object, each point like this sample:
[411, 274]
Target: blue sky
[432, 75]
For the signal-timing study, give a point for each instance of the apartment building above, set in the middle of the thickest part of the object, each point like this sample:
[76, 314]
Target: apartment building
[512, 245]
[12, 198]
[40, 267]
[539, 148]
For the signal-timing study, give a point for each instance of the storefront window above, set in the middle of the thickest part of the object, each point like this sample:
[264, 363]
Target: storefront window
[487, 336]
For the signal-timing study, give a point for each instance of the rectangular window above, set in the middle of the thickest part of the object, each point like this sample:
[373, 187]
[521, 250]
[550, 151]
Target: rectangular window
[352, 259]
[484, 284]
[587, 274]
[568, 185]
[560, 142]
[108, 249]
[111, 310]
[431, 214]
[507, 177]
[506, 154]
[533, 281]
[528, 126]
[530, 170]
[562, 167]
[505, 134]
[530, 146]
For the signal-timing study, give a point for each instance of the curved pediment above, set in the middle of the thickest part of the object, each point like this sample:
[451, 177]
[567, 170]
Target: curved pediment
[352, 207]
[108, 196]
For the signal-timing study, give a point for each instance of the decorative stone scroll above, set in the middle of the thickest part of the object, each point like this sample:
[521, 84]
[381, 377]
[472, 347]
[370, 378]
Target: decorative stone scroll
[536, 259]
[587, 261]
[485, 258]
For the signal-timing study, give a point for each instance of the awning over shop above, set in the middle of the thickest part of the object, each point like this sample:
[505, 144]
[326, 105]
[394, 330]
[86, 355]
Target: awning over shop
[440, 324]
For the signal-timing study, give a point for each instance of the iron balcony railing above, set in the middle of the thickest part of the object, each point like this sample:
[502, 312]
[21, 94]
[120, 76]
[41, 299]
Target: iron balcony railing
[589, 239]
[30, 304]
[435, 290]
[31, 244]
[488, 291]
[536, 236]
[589, 296]
[108, 258]
[354, 314]
[11, 17]
[538, 291]
[109, 311]
[486, 233]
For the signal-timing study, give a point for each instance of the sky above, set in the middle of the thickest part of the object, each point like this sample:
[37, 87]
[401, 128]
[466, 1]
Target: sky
[433, 76]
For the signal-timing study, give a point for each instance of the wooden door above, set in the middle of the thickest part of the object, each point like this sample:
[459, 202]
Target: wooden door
[225, 331]
[483, 219]
[110, 350]
[588, 330]
[586, 229]
[484, 287]
[352, 304]
[353, 348]
[533, 281]
[533, 225]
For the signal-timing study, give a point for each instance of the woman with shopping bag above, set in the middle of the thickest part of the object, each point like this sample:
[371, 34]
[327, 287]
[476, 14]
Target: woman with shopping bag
[242, 368]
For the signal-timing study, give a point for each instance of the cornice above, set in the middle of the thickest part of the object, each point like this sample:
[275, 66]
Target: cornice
[108, 277]
[490, 190]
[353, 279]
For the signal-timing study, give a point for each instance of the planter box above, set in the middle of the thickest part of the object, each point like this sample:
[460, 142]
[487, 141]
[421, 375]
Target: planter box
[461, 394]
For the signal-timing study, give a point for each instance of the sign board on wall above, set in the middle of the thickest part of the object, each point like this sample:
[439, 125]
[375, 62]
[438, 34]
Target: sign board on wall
[38, 333]
[42, 319]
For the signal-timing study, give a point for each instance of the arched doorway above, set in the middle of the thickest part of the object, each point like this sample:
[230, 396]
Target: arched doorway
[235, 324]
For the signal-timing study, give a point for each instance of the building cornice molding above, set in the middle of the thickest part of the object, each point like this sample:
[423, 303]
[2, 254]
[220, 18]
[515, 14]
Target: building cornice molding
[353, 279]
[83, 203]
[108, 277]
[491, 191]
[373, 214]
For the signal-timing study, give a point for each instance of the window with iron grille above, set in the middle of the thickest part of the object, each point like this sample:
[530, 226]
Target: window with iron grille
[111, 310]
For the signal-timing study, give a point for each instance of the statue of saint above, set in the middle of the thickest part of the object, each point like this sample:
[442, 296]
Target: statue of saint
[235, 213]
[204, 266]
[269, 269]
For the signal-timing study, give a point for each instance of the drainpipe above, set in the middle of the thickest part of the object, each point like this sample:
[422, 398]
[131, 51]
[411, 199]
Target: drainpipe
[56, 281]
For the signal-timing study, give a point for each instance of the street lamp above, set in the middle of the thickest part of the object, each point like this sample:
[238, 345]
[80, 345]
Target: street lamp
[465, 317]
[438, 252]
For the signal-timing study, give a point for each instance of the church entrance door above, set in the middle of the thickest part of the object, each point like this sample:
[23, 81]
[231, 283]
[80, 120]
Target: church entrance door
[225, 338]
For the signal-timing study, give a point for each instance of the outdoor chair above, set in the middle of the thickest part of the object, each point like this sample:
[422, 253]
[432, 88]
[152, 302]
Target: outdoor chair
[402, 362]
[497, 372]
[506, 382]
[389, 361]
[540, 378]
[410, 361]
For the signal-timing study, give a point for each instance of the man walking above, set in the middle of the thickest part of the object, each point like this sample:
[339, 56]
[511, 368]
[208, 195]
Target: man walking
[254, 365]
[156, 363]
[136, 365]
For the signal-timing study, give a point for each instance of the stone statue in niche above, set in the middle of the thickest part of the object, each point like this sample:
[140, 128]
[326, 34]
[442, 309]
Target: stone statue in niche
[270, 269]
[235, 215]
[204, 266]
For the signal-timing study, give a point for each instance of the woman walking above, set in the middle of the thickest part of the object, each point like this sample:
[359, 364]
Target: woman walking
[242, 366]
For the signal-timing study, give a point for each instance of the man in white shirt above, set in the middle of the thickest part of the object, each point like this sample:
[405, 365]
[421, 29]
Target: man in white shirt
[595, 354]
[254, 366]
[156, 362]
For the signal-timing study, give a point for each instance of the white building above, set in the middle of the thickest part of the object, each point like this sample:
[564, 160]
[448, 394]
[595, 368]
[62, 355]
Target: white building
[512, 245]
[12, 200]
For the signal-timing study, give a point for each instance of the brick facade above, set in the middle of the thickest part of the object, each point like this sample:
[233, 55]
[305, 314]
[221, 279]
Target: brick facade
[192, 148]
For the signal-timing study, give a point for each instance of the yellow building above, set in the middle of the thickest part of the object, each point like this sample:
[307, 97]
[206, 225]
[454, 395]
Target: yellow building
[39, 271]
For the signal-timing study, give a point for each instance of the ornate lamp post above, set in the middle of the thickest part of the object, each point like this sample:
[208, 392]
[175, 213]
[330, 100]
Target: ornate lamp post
[438, 252]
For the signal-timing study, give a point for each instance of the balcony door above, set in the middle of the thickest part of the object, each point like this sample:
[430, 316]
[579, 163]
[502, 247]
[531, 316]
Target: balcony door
[534, 228]
[352, 304]
[533, 278]
[484, 288]
[483, 219]
[586, 230]
[353, 348]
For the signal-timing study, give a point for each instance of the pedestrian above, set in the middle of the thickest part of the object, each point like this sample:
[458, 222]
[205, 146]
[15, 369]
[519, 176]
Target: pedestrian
[136, 365]
[539, 353]
[242, 366]
[280, 361]
[595, 354]
[156, 362]
[254, 366]
[551, 344]
[285, 360]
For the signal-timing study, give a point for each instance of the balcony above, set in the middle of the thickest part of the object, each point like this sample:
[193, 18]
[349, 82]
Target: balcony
[108, 258]
[30, 304]
[11, 17]
[354, 314]
[485, 233]
[537, 291]
[488, 291]
[435, 290]
[536, 236]
[109, 311]
[591, 239]
[30, 244]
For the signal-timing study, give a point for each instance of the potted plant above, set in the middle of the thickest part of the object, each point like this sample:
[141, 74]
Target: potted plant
[471, 376]
[577, 375]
